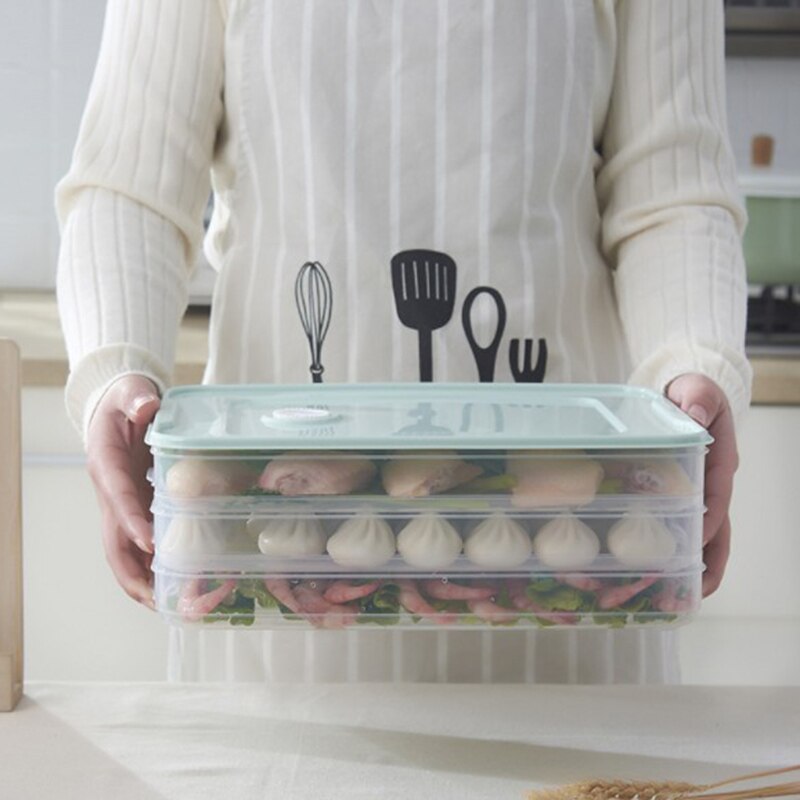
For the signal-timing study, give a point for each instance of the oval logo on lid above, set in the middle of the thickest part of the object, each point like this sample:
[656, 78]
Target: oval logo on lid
[299, 415]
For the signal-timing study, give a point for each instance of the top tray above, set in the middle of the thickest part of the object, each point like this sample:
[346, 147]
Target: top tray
[420, 416]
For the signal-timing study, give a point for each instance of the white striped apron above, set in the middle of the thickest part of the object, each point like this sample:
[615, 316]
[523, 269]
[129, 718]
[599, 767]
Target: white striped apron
[360, 128]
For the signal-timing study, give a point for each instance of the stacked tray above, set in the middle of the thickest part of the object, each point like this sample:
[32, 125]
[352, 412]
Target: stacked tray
[444, 505]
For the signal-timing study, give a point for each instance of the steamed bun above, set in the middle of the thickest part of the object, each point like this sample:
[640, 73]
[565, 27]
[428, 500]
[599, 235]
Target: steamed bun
[566, 543]
[499, 543]
[429, 542]
[362, 541]
[199, 536]
[288, 537]
[641, 541]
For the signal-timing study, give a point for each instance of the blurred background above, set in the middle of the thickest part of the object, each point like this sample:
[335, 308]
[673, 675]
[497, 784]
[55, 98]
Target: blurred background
[79, 625]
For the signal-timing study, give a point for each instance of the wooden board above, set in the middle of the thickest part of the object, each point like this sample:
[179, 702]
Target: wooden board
[10, 529]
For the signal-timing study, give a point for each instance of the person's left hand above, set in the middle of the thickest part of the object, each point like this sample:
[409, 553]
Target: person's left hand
[706, 403]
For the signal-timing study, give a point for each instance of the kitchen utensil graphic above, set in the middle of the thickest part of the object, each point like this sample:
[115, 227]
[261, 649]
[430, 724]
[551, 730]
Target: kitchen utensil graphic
[424, 285]
[314, 297]
[485, 357]
[424, 413]
[526, 373]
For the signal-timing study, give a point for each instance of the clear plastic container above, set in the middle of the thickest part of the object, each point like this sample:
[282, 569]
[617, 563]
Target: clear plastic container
[440, 504]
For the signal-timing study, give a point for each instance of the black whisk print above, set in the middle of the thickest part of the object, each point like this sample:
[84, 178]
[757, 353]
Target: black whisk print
[313, 294]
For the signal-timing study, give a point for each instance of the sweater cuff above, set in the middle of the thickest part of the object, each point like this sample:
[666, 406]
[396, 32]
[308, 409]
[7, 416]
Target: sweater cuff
[94, 374]
[729, 369]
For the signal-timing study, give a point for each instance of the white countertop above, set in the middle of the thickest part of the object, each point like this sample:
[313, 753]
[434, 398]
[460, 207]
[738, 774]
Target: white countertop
[394, 742]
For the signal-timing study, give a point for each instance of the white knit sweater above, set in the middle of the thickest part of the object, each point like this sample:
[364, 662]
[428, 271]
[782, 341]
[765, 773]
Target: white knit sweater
[573, 156]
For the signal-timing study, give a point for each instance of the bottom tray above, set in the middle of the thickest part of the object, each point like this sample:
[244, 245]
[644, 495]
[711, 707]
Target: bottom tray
[482, 601]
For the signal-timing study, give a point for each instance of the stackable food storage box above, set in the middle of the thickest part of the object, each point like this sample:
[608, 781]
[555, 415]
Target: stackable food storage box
[443, 505]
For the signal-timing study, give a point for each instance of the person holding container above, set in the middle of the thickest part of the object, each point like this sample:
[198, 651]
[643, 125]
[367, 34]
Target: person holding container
[570, 160]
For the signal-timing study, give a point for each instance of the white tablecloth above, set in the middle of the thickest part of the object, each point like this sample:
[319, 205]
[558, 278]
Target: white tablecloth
[143, 741]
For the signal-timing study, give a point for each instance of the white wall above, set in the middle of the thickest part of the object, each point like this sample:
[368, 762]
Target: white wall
[764, 98]
[47, 54]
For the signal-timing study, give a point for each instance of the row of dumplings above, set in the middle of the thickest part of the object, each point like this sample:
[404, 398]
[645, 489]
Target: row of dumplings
[535, 479]
[429, 541]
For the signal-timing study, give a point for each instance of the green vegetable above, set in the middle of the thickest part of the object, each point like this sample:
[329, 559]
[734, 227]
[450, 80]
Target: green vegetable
[655, 617]
[255, 590]
[381, 607]
[543, 584]
[450, 606]
[470, 619]
[611, 486]
[237, 609]
[561, 598]
[610, 619]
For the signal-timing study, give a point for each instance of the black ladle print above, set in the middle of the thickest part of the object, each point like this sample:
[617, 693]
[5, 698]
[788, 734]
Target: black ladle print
[485, 357]
[424, 286]
[313, 294]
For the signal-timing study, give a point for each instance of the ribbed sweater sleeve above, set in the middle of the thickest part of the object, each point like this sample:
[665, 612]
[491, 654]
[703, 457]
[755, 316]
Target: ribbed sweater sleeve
[131, 205]
[672, 217]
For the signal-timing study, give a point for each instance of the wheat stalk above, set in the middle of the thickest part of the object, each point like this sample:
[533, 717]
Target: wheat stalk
[616, 790]
[650, 790]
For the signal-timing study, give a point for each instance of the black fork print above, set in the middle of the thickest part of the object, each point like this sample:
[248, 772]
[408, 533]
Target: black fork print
[526, 373]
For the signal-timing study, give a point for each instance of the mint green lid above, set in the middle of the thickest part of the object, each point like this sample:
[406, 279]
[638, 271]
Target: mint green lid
[400, 416]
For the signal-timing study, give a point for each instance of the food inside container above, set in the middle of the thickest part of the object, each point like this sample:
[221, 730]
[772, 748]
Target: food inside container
[509, 505]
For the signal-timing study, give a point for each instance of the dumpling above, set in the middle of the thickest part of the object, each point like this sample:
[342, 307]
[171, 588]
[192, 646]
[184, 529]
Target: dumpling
[429, 542]
[657, 477]
[294, 474]
[288, 537]
[547, 481]
[566, 543]
[198, 536]
[362, 541]
[439, 471]
[196, 477]
[499, 543]
[641, 541]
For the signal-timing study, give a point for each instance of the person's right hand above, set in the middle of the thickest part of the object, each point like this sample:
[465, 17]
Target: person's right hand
[118, 461]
